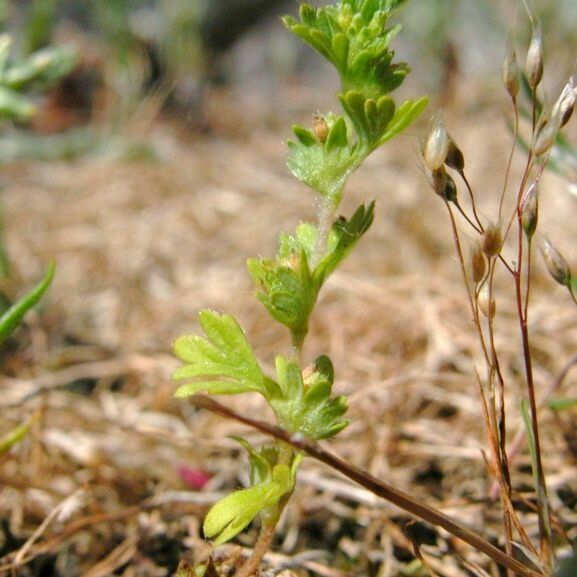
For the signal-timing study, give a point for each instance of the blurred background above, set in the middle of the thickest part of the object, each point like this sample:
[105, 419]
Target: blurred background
[137, 58]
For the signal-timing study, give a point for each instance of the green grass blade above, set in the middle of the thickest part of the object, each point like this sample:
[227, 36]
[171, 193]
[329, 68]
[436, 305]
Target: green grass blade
[12, 317]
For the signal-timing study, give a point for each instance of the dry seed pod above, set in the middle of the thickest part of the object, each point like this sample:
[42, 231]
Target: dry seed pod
[534, 65]
[438, 180]
[492, 241]
[530, 210]
[545, 136]
[455, 158]
[486, 302]
[478, 265]
[320, 128]
[563, 108]
[556, 264]
[511, 73]
[437, 145]
[450, 192]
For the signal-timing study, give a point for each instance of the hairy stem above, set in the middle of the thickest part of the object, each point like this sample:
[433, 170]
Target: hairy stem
[263, 543]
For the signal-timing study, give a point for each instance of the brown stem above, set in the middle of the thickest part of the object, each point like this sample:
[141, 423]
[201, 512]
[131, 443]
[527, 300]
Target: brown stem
[511, 154]
[522, 313]
[472, 197]
[520, 436]
[399, 498]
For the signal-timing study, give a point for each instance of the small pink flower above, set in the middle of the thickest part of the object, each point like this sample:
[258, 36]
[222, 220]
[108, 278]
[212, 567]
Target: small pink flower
[193, 478]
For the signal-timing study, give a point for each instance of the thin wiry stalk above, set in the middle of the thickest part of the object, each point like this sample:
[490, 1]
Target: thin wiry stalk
[522, 313]
[510, 161]
[470, 293]
[472, 197]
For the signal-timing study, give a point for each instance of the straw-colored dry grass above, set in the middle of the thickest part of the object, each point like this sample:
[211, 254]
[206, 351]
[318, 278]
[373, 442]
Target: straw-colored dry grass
[141, 247]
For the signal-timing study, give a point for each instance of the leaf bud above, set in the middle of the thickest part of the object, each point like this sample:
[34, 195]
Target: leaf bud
[534, 64]
[320, 127]
[563, 108]
[530, 210]
[492, 241]
[486, 302]
[511, 74]
[478, 265]
[556, 264]
[455, 158]
[436, 146]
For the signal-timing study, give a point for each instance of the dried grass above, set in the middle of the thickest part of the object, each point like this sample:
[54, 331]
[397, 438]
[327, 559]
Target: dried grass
[141, 247]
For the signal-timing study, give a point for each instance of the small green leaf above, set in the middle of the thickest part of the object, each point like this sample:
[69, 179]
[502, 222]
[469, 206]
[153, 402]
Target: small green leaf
[223, 363]
[16, 435]
[12, 317]
[289, 378]
[562, 404]
[261, 462]
[337, 137]
[305, 136]
[405, 115]
[14, 106]
[345, 236]
[234, 512]
[307, 406]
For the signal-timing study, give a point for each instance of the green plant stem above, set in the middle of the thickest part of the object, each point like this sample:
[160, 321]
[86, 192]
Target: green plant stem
[381, 489]
[269, 523]
[326, 215]
[263, 543]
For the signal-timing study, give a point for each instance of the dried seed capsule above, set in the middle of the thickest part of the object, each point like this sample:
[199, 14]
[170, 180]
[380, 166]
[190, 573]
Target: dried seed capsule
[545, 136]
[530, 210]
[563, 108]
[478, 265]
[492, 241]
[438, 179]
[320, 128]
[486, 302]
[450, 192]
[511, 74]
[534, 65]
[455, 158]
[556, 264]
[436, 146]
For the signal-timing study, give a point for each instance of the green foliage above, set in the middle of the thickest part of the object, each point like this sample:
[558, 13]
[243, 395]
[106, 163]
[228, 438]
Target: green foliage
[288, 287]
[306, 405]
[270, 479]
[35, 71]
[12, 317]
[324, 166]
[16, 435]
[223, 363]
[354, 35]
[562, 404]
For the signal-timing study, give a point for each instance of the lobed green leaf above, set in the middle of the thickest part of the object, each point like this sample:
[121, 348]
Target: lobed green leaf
[222, 363]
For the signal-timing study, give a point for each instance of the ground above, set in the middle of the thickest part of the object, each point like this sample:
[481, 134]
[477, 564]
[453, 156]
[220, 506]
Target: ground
[143, 245]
